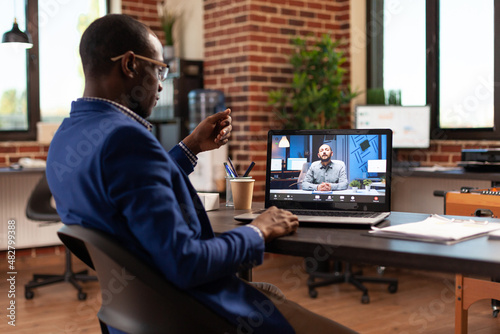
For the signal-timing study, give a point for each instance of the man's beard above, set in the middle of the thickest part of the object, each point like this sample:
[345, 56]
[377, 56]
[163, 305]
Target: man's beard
[323, 159]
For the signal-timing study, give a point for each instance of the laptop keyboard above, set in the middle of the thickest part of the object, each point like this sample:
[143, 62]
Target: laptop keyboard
[335, 213]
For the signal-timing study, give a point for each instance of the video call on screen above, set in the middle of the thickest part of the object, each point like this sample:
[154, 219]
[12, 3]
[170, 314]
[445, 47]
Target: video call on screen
[364, 156]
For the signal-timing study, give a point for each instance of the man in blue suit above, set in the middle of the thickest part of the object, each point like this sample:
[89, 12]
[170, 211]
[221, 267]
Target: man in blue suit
[107, 171]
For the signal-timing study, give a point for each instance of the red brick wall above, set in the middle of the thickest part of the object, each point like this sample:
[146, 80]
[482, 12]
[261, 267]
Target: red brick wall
[145, 11]
[11, 152]
[247, 44]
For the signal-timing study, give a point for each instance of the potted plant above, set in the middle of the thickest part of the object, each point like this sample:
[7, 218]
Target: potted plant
[169, 15]
[355, 184]
[367, 183]
[317, 98]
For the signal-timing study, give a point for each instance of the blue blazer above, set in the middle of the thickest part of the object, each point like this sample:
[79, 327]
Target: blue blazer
[107, 171]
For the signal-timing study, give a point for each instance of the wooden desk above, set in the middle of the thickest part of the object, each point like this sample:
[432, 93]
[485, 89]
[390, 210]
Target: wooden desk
[478, 256]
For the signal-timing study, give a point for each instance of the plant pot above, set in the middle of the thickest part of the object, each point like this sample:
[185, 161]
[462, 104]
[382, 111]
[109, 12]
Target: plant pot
[354, 189]
[168, 52]
[368, 188]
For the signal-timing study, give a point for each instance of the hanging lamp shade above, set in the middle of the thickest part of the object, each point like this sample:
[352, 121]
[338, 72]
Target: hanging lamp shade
[17, 37]
[284, 142]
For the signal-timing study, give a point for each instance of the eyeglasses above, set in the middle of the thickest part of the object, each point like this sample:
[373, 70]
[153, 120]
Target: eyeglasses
[162, 71]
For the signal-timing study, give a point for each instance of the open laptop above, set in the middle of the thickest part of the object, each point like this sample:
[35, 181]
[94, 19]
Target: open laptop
[365, 154]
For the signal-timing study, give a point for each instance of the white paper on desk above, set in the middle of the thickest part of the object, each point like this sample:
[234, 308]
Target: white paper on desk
[495, 235]
[438, 229]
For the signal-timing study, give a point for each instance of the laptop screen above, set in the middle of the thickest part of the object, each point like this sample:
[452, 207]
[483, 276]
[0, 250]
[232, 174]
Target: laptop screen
[329, 169]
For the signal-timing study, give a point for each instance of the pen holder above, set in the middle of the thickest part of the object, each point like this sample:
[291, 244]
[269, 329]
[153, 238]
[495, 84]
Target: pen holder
[229, 193]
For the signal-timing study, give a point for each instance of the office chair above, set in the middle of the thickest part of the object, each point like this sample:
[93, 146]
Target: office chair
[328, 277]
[302, 176]
[40, 209]
[136, 298]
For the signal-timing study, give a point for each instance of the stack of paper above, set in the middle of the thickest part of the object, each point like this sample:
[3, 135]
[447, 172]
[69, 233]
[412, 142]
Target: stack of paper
[437, 229]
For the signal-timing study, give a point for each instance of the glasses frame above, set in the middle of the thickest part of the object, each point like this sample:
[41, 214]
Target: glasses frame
[161, 76]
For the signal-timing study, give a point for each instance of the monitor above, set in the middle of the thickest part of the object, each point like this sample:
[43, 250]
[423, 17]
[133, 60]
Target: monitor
[376, 166]
[295, 163]
[410, 124]
[276, 165]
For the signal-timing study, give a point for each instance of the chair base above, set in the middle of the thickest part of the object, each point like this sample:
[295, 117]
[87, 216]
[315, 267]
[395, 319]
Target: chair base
[68, 276]
[347, 276]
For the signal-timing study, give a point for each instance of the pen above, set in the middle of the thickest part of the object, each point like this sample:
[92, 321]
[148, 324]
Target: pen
[229, 172]
[249, 169]
[232, 167]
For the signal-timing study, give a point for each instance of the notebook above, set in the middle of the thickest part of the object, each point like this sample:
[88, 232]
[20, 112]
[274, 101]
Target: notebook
[295, 166]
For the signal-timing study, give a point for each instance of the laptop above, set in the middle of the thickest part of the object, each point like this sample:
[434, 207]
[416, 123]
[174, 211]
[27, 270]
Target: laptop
[356, 154]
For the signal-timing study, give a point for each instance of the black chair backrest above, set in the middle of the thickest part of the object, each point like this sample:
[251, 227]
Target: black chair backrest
[136, 298]
[39, 207]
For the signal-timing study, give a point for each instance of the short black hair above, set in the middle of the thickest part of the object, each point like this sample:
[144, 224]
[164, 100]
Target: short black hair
[110, 36]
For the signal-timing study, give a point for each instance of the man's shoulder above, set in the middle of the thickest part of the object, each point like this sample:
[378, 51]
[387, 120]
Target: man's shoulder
[338, 162]
[315, 164]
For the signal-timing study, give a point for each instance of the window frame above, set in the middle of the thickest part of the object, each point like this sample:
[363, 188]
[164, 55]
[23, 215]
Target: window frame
[33, 78]
[432, 71]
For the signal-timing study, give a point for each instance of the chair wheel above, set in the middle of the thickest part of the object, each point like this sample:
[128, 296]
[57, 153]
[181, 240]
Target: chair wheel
[82, 296]
[28, 294]
[313, 293]
[365, 299]
[393, 288]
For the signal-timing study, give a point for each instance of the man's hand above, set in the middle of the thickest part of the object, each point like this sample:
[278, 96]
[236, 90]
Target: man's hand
[276, 223]
[324, 187]
[213, 132]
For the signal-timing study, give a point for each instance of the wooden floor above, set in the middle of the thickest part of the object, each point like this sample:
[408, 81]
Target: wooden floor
[424, 302]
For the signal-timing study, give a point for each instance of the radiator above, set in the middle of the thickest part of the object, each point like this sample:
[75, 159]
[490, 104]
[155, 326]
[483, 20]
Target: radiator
[15, 188]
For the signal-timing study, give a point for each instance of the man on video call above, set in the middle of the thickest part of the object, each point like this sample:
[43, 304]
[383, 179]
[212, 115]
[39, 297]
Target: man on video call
[107, 171]
[325, 174]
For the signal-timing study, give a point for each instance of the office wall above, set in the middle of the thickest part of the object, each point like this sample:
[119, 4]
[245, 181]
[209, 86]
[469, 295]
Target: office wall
[247, 48]
[188, 30]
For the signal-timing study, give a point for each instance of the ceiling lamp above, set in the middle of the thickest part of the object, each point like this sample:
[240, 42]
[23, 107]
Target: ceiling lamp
[16, 37]
[284, 142]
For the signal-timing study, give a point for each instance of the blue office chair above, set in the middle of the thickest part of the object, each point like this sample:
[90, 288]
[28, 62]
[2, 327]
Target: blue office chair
[142, 300]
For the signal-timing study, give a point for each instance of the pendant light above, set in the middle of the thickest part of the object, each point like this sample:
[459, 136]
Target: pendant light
[284, 142]
[16, 37]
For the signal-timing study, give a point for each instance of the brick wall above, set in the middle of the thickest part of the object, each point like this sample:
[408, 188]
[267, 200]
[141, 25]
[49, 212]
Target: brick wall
[247, 44]
[11, 152]
[145, 11]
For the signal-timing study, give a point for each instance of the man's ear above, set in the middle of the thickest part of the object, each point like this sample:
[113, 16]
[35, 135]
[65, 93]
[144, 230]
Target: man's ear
[128, 64]
[319, 155]
[131, 68]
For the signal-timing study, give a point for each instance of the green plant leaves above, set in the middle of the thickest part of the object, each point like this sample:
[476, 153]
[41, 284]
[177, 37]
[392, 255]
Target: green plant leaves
[317, 95]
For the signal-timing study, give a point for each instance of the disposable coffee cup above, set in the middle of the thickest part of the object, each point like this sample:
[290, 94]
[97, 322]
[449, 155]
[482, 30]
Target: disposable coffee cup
[229, 193]
[242, 191]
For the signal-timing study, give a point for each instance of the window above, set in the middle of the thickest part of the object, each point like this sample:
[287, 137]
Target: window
[439, 52]
[55, 74]
[466, 64]
[404, 52]
[13, 71]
